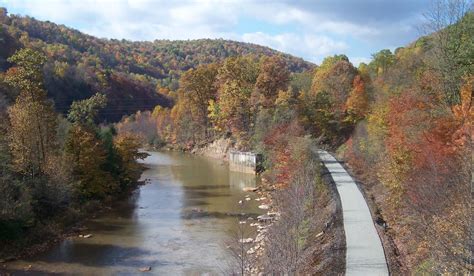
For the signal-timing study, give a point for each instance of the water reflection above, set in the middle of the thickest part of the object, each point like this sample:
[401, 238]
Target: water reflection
[177, 223]
[241, 180]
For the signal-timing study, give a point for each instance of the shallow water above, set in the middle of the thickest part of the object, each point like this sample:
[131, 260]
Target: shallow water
[178, 224]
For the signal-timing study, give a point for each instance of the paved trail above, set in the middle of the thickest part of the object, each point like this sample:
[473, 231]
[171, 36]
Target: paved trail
[364, 255]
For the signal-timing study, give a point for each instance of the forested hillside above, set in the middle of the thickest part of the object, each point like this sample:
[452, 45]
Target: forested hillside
[136, 75]
[414, 148]
[403, 122]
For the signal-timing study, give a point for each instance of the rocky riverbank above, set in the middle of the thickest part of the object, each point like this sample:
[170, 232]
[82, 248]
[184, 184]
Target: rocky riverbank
[322, 241]
[218, 149]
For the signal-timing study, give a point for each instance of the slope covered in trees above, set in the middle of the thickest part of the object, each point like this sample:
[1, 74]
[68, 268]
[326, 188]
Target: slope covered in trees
[414, 148]
[53, 170]
[136, 75]
[403, 122]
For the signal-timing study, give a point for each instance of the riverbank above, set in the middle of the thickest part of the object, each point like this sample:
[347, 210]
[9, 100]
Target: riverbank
[49, 233]
[308, 237]
[176, 224]
[323, 250]
[217, 149]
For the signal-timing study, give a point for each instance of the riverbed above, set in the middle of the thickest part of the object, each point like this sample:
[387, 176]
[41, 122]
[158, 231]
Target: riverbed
[179, 223]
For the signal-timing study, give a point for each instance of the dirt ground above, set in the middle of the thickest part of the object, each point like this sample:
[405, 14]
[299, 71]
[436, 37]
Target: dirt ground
[327, 253]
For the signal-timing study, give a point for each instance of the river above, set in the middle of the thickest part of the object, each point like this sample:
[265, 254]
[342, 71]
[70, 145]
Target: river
[178, 223]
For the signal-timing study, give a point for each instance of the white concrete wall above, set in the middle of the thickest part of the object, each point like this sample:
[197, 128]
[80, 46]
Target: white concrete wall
[243, 161]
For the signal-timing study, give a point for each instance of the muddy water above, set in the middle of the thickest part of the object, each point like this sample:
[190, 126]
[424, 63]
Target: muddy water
[177, 224]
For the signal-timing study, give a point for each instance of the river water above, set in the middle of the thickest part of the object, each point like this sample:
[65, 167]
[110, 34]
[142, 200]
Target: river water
[178, 223]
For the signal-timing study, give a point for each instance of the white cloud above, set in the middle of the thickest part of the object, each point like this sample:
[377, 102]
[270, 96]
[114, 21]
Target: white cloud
[358, 60]
[315, 46]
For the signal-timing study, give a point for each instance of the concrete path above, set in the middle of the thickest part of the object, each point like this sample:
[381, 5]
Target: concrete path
[364, 254]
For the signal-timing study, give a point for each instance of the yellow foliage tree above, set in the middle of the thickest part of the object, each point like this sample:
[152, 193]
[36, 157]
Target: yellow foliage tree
[88, 157]
[32, 117]
[127, 146]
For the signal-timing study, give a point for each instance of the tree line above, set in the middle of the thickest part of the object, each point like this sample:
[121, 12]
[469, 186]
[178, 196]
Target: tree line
[54, 166]
[136, 75]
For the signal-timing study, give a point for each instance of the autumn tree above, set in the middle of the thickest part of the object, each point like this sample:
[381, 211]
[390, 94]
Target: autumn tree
[323, 107]
[335, 77]
[199, 86]
[88, 157]
[32, 117]
[300, 82]
[88, 152]
[357, 104]
[273, 76]
[285, 106]
[450, 24]
[236, 79]
[163, 123]
[186, 130]
[13, 195]
[143, 124]
[381, 61]
[127, 147]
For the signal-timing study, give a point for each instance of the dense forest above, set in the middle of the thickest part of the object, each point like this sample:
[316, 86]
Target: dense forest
[135, 75]
[403, 123]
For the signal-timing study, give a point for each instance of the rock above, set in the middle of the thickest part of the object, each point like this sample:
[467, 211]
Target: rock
[249, 189]
[264, 218]
[247, 198]
[145, 269]
[319, 235]
[264, 207]
[273, 214]
[254, 224]
[240, 201]
[248, 240]
[87, 236]
[242, 222]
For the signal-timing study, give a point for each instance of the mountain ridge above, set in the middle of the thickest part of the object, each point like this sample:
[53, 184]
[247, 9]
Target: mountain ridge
[137, 75]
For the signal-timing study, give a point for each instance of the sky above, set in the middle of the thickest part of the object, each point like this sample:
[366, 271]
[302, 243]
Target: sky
[311, 29]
